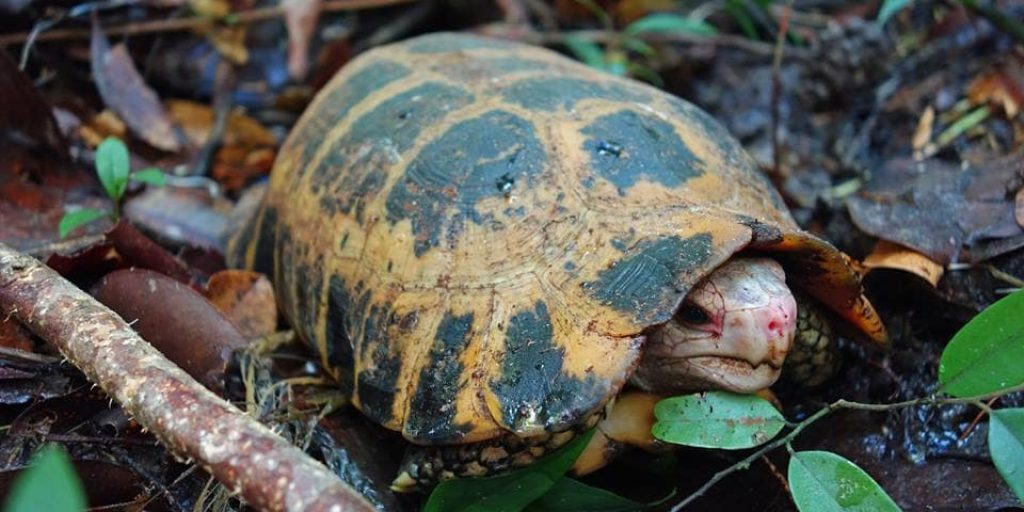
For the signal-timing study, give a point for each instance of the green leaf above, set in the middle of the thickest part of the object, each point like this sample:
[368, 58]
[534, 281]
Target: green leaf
[1006, 445]
[73, 220]
[738, 11]
[569, 495]
[510, 492]
[826, 482]
[49, 484]
[663, 23]
[150, 176]
[586, 51]
[113, 166]
[717, 419]
[985, 356]
[889, 8]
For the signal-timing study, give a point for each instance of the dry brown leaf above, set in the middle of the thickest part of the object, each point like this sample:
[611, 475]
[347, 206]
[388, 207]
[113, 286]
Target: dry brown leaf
[247, 299]
[102, 125]
[998, 89]
[923, 132]
[300, 17]
[196, 120]
[230, 43]
[126, 93]
[210, 8]
[897, 257]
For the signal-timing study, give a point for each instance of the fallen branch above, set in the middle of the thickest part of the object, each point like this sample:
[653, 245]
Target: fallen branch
[246, 456]
[189, 23]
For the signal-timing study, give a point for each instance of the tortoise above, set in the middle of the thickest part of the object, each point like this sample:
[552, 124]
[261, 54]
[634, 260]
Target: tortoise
[489, 242]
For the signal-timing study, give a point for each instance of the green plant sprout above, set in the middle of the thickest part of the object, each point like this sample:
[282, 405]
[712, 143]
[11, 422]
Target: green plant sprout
[113, 167]
[49, 483]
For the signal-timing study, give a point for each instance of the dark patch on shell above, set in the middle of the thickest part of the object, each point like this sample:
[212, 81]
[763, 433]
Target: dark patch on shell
[433, 417]
[375, 142]
[340, 100]
[552, 93]
[442, 185]
[340, 352]
[645, 147]
[653, 278]
[533, 391]
[376, 382]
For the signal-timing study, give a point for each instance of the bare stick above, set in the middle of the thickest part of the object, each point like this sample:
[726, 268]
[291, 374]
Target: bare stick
[264, 469]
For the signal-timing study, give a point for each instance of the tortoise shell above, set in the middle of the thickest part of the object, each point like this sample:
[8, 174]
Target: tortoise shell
[478, 233]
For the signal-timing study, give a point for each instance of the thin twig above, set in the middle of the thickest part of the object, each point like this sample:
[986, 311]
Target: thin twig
[195, 424]
[825, 411]
[192, 22]
[777, 174]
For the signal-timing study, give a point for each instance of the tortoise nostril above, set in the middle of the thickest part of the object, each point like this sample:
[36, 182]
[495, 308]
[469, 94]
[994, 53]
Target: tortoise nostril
[774, 327]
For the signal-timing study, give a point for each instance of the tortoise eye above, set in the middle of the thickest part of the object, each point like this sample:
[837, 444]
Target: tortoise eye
[694, 315]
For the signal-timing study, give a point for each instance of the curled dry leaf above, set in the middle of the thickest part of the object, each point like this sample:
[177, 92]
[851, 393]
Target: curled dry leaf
[247, 299]
[897, 257]
[300, 17]
[177, 320]
[126, 93]
[181, 215]
[1000, 88]
[196, 121]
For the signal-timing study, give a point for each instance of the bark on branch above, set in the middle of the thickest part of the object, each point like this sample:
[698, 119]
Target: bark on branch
[264, 469]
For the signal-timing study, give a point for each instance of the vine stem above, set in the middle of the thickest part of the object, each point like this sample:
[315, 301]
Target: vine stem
[977, 401]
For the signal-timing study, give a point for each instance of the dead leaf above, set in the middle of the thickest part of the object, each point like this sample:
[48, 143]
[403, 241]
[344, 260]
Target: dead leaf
[999, 89]
[897, 257]
[181, 215]
[300, 18]
[923, 132]
[126, 93]
[102, 125]
[176, 319]
[196, 121]
[938, 209]
[229, 40]
[247, 299]
[210, 8]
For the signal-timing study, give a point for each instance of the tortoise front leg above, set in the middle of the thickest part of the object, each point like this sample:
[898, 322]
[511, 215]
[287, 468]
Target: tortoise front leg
[628, 423]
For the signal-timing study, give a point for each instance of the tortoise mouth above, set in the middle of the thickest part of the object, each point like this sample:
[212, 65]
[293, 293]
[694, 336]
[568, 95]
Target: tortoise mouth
[703, 373]
[729, 373]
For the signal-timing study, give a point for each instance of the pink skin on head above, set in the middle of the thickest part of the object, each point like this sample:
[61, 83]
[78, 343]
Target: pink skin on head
[732, 332]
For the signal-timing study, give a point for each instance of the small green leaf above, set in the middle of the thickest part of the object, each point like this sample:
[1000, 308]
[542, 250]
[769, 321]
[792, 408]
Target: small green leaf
[985, 356]
[826, 482]
[586, 51]
[639, 46]
[662, 23]
[73, 220]
[510, 492]
[49, 484]
[569, 495]
[717, 419]
[150, 176]
[738, 10]
[889, 8]
[113, 166]
[1006, 445]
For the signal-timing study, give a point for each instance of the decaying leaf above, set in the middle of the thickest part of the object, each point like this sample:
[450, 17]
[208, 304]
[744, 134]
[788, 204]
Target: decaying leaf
[897, 257]
[180, 215]
[126, 93]
[939, 209]
[1000, 88]
[923, 132]
[300, 17]
[196, 121]
[247, 299]
[102, 125]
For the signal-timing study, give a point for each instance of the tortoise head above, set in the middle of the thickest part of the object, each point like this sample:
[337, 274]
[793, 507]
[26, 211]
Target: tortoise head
[732, 332]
